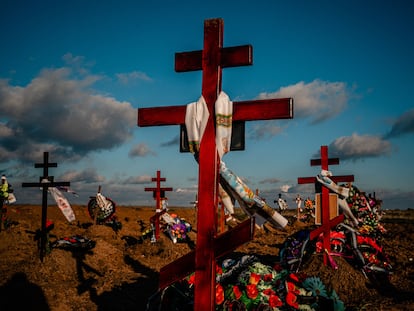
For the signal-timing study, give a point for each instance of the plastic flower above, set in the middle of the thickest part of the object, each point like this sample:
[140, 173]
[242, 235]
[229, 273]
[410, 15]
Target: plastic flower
[292, 288]
[236, 291]
[219, 294]
[191, 279]
[315, 285]
[268, 277]
[252, 291]
[254, 278]
[274, 301]
[291, 300]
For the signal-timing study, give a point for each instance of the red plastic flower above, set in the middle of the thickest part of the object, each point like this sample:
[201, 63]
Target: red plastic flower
[254, 278]
[269, 292]
[219, 294]
[237, 292]
[191, 279]
[292, 288]
[267, 277]
[252, 291]
[294, 277]
[274, 301]
[291, 300]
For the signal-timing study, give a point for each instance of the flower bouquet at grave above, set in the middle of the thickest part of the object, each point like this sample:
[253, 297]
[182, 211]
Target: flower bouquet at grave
[101, 209]
[309, 210]
[248, 284]
[367, 212]
[176, 227]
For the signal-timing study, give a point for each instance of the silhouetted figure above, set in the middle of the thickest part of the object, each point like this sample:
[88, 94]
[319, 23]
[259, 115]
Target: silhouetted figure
[20, 294]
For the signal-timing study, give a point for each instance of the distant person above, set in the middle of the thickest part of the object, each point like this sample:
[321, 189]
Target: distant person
[298, 201]
[4, 195]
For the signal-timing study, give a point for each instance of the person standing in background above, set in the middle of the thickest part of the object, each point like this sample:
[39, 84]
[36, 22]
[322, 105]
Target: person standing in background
[4, 195]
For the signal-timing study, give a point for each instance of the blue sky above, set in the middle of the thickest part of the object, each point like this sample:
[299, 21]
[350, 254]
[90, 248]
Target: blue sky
[74, 73]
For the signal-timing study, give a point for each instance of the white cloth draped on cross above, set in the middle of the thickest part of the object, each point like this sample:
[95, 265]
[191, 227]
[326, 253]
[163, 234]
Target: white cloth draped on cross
[231, 187]
[343, 194]
[61, 202]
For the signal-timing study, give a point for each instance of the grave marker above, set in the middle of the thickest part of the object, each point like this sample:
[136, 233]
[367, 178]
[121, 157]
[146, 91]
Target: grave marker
[157, 195]
[327, 222]
[211, 60]
[44, 185]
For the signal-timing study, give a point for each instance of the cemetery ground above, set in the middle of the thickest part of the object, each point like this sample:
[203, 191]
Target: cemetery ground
[121, 273]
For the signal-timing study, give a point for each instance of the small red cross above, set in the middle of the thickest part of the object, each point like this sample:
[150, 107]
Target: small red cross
[157, 195]
[327, 222]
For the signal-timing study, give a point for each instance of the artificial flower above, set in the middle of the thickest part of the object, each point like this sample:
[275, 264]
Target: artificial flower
[254, 278]
[219, 294]
[251, 290]
[274, 301]
[292, 288]
[236, 291]
[315, 285]
[291, 300]
[191, 279]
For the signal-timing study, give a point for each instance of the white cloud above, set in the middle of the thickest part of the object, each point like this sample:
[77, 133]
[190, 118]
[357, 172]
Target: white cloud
[285, 188]
[128, 77]
[317, 100]
[359, 146]
[265, 129]
[140, 150]
[87, 175]
[58, 112]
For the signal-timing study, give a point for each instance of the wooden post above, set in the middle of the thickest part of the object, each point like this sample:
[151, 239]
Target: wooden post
[211, 60]
[327, 222]
[45, 185]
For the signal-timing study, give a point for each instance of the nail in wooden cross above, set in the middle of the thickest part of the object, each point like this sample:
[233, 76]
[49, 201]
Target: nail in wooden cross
[157, 195]
[327, 222]
[45, 185]
[211, 60]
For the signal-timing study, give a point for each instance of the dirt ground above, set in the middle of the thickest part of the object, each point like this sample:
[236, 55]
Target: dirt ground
[121, 274]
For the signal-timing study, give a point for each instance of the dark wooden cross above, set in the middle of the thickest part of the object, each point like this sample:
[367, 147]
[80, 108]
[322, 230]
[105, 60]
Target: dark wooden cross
[211, 60]
[327, 222]
[157, 195]
[44, 185]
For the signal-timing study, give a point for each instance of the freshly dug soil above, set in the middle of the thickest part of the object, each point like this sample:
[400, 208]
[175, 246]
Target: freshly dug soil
[121, 271]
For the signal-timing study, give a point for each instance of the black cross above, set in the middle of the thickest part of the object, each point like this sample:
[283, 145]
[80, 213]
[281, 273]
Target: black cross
[44, 185]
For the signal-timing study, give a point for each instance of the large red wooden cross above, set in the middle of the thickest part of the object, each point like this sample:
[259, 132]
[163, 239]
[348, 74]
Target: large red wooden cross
[327, 222]
[211, 60]
[44, 185]
[157, 195]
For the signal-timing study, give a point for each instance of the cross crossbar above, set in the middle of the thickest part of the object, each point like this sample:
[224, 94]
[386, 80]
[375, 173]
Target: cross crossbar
[265, 109]
[223, 245]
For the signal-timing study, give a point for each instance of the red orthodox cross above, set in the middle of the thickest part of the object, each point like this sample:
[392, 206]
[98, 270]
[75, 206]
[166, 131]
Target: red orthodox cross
[211, 60]
[44, 185]
[157, 195]
[327, 222]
